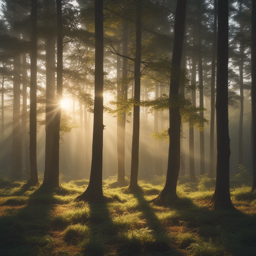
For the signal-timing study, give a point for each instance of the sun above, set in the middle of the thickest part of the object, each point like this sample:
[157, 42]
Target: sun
[65, 103]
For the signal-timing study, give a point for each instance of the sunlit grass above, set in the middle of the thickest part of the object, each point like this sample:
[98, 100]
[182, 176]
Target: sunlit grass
[49, 222]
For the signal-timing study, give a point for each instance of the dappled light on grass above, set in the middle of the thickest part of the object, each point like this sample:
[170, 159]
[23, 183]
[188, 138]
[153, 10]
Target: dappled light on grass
[49, 222]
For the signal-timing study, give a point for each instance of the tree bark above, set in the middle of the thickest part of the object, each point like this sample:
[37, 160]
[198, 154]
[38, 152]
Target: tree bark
[121, 117]
[212, 122]
[94, 190]
[50, 93]
[241, 71]
[25, 114]
[191, 128]
[201, 88]
[54, 180]
[175, 118]
[136, 109]
[253, 92]
[221, 197]
[33, 100]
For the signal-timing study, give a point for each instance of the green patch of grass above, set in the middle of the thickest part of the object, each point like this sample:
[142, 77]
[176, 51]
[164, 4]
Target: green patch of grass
[76, 233]
[243, 194]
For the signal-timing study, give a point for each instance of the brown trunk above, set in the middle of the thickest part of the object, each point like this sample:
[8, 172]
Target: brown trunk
[33, 100]
[191, 129]
[201, 88]
[212, 122]
[50, 93]
[54, 176]
[253, 93]
[94, 191]
[174, 114]
[136, 109]
[121, 117]
[241, 69]
[221, 197]
[25, 114]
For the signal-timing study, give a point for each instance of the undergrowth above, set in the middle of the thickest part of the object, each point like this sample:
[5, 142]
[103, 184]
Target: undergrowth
[37, 221]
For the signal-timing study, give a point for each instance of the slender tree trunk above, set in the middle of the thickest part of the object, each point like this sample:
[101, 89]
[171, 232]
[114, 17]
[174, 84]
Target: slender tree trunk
[33, 101]
[16, 133]
[241, 70]
[158, 171]
[121, 117]
[212, 122]
[253, 92]
[191, 128]
[136, 109]
[221, 197]
[2, 95]
[25, 114]
[201, 88]
[175, 118]
[94, 191]
[50, 94]
[182, 93]
[54, 181]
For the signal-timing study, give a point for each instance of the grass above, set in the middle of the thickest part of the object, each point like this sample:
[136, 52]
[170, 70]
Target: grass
[36, 221]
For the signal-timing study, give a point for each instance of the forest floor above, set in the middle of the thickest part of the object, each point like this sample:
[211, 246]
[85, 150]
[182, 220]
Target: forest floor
[34, 221]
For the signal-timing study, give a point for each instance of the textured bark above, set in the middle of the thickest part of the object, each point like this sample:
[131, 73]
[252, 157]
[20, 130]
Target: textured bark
[201, 88]
[212, 122]
[175, 118]
[50, 92]
[25, 114]
[16, 132]
[33, 100]
[94, 191]
[136, 109]
[253, 92]
[221, 197]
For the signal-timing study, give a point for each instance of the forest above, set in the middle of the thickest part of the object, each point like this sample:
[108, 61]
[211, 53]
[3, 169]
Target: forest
[128, 127]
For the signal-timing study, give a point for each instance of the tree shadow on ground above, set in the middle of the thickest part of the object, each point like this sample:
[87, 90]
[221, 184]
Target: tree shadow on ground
[223, 230]
[25, 230]
[162, 240]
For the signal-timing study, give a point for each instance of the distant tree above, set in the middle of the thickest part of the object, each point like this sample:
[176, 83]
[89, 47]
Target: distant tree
[136, 109]
[221, 197]
[201, 84]
[253, 92]
[174, 114]
[213, 76]
[33, 95]
[94, 190]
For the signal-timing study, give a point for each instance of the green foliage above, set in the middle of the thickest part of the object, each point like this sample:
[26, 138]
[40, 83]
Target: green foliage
[48, 220]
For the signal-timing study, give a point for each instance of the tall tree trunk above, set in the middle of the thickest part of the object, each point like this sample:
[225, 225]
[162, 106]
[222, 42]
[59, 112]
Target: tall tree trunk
[33, 101]
[212, 122]
[241, 70]
[158, 171]
[2, 101]
[25, 114]
[253, 92]
[221, 197]
[94, 190]
[16, 132]
[50, 93]
[182, 93]
[201, 88]
[54, 181]
[136, 109]
[121, 117]
[191, 128]
[174, 113]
